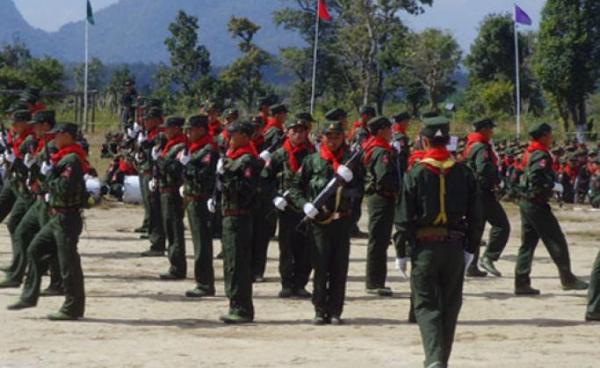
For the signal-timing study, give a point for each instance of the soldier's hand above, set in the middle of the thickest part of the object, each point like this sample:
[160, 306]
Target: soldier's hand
[29, 160]
[155, 153]
[220, 166]
[152, 185]
[211, 204]
[397, 146]
[182, 191]
[345, 173]
[136, 127]
[9, 157]
[266, 156]
[131, 133]
[310, 210]
[402, 265]
[468, 260]
[141, 138]
[184, 158]
[280, 203]
[46, 168]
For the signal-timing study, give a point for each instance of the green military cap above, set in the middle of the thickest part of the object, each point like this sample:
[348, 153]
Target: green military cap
[230, 112]
[335, 114]
[153, 113]
[141, 101]
[152, 102]
[258, 121]
[292, 123]
[174, 121]
[45, 116]
[538, 130]
[378, 122]
[278, 108]
[401, 116]
[243, 127]
[484, 123]
[197, 121]
[305, 116]
[438, 126]
[333, 127]
[367, 110]
[70, 128]
[21, 115]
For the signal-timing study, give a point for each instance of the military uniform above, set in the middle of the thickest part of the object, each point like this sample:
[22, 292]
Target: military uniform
[381, 189]
[239, 173]
[483, 160]
[170, 179]
[593, 308]
[65, 198]
[537, 220]
[439, 212]
[199, 176]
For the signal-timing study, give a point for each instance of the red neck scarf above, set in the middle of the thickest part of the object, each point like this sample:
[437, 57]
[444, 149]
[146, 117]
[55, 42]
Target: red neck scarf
[273, 123]
[42, 142]
[152, 133]
[126, 167]
[357, 125]
[214, 127]
[247, 149]
[76, 149]
[200, 143]
[534, 145]
[173, 142]
[293, 151]
[20, 140]
[397, 128]
[372, 143]
[477, 137]
[438, 154]
[415, 157]
[36, 108]
[333, 158]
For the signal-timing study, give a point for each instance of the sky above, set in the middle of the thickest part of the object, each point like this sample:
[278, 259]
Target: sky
[460, 17]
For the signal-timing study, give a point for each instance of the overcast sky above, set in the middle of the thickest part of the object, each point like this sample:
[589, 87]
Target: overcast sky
[461, 17]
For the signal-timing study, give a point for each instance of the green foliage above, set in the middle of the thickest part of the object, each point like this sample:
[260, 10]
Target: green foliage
[95, 73]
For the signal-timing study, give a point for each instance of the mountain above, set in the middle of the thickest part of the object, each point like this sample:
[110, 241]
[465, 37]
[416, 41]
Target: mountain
[134, 30]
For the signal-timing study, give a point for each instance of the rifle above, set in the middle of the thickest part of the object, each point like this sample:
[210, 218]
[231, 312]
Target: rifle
[333, 185]
[155, 169]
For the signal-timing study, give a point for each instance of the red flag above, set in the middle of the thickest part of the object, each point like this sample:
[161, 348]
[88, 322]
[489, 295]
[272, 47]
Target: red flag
[324, 12]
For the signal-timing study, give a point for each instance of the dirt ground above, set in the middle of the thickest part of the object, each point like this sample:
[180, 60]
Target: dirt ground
[135, 320]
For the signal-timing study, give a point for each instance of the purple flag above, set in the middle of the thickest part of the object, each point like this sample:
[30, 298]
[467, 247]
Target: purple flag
[521, 17]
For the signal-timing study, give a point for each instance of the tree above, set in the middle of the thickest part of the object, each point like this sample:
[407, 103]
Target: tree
[114, 90]
[95, 73]
[567, 61]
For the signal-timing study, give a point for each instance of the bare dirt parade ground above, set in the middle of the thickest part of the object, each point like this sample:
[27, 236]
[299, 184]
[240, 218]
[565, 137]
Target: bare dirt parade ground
[134, 320]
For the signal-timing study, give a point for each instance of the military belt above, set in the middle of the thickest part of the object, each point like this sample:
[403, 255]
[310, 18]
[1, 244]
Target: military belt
[235, 213]
[201, 197]
[169, 190]
[63, 210]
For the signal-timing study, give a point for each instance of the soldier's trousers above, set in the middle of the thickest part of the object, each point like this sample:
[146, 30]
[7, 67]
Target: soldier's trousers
[538, 222]
[145, 202]
[356, 212]
[201, 227]
[294, 252]
[59, 236]
[330, 257]
[264, 222]
[437, 282]
[7, 199]
[156, 232]
[593, 308]
[237, 242]
[19, 209]
[381, 220]
[171, 205]
[493, 212]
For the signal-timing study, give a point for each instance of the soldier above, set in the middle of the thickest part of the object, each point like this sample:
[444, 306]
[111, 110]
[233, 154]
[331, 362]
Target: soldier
[214, 124]
[66, 197]
[537, 220]
[152, 137]
[199, 173]
[239, 173]
[360, 130]
[170, 179]
[128, 104]
[382, 189]
[439, 211]
[401, 144]
[330, 223]
[483, 160]
[593, 308]
[294, 246]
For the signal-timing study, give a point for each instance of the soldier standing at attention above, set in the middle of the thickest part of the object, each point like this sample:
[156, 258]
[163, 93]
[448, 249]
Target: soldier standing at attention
[128, 101]
[66, 197]
[330, 223]
[483, 160]
[239, 172]
[382, 189]
[439, 211]
[199, 175]
[294, 246]
[537, 220]
[171, 203]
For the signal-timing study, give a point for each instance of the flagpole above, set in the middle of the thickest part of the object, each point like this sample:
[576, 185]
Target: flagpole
[518, 82]
[85, 79]
[315, 53]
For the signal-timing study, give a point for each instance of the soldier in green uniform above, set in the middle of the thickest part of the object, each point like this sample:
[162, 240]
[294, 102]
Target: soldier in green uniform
[537, 220]
[152, 137]
[66, 196]
[483, 160]
[593, 307]
[199, 180]
[330, 224]
[17, 178]
[381, 187]
[170, 179]
[294, 246]
[439, 212]
[239, 172]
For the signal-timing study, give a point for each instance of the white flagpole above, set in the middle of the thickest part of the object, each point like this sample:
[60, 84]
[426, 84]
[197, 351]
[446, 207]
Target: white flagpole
[315, 53]
[85, 78]
[518, 82]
